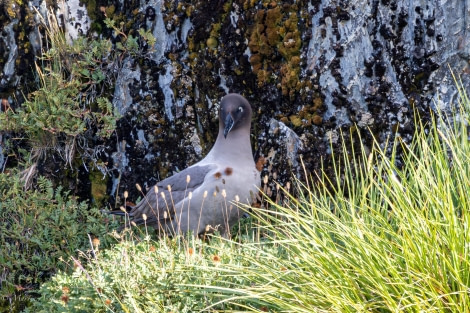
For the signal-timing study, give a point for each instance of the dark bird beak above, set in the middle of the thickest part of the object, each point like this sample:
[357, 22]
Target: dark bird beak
[228, 125]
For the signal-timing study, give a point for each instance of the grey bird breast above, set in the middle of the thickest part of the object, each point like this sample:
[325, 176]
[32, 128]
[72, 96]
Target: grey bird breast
[205, 196]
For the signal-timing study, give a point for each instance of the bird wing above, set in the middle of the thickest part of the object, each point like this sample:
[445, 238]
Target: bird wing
[159, 202]
[180, 180]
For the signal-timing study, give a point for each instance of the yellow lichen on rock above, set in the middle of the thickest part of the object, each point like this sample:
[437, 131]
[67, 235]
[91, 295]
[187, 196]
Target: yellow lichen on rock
[275, 46]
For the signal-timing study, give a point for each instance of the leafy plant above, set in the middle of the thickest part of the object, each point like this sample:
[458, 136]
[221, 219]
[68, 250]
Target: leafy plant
[70, 111]
[39, 230]
[68, 102]
[128, 43]
[150, 276]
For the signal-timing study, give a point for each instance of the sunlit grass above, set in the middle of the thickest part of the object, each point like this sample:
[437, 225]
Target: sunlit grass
[383, 238]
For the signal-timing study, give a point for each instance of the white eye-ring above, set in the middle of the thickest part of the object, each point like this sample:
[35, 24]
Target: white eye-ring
[240, 109]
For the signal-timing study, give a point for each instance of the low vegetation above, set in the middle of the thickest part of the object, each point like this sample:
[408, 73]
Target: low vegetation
[152, 276]
[40, 230]
[65, 121]
[69, 104]
[383, 238]
[60, 123]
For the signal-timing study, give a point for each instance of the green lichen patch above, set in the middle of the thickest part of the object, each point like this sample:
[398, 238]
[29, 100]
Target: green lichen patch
[98, 187]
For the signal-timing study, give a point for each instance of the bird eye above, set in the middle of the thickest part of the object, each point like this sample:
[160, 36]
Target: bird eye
[240, 109]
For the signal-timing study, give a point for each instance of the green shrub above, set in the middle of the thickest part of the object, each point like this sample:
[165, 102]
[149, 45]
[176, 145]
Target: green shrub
[69, 101]
[39, 231]
[73, 81]
[152, 276]
[69, 115]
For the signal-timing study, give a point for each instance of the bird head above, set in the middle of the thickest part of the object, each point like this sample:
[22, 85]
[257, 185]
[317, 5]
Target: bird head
[235, 113]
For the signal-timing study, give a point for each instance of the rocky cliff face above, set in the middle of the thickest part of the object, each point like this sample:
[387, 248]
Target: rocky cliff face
[311, 70]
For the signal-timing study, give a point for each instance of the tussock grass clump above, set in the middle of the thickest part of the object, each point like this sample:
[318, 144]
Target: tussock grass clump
[377, 237]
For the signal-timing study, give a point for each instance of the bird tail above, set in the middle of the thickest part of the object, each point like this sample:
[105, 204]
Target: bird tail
[120, 212]
[116, 212]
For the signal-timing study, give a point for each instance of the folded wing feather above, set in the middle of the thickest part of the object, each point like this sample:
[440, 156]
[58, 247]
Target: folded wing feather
[158, 207]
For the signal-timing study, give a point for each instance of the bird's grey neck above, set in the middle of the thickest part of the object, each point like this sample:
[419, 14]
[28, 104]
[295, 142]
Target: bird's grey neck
[236, 146]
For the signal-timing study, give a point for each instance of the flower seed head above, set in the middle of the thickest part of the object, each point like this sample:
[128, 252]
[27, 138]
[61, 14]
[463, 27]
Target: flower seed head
[95, 242]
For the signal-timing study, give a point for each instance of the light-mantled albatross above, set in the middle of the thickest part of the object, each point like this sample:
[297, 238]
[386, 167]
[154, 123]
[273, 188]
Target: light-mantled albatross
[204, 196]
